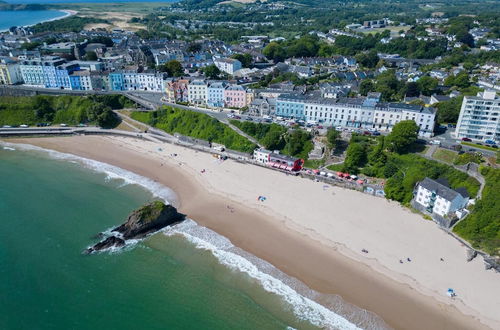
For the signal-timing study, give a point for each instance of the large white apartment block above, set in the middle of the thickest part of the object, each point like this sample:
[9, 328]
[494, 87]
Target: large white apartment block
[32, 73]
[228, 65]
[198, 92]
[480, 117]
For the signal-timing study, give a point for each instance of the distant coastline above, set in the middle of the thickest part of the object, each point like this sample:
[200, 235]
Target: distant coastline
[67, 13]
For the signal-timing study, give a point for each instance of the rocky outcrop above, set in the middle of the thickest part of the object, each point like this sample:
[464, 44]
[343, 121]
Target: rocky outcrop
[111, 241]
[146, 220]
[471, 254]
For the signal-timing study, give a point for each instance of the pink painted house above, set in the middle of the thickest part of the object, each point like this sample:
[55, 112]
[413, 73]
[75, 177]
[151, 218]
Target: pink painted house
[235, 96]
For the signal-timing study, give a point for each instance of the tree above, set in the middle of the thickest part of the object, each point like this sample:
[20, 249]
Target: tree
[377, 157]
[107, 41]
[448, 111]
[245, 59]
[388, 84]
[412, 89]
[355, 158]
[274, 140]
[91, 56]
[366, 86]
[461, 80]
[193, 47]
[107, 118]
[173, 68]
[274, 51]
[296, 141]
[403, 136]
[43, 109]
[332, 136]
[465, 37]
[369, 59]
[211, 71]
[427, 85]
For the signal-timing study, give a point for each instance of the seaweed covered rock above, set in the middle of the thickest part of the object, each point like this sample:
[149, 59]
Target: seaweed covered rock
[141, 222]
[149, 218]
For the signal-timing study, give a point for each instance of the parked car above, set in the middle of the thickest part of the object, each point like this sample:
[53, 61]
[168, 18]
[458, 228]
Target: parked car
[376, 133]
[237, 117]
[367, 133]
[436, 142]
[489, 142]
[24, 126]
[466, 139]
[7, 126]
[63, 125]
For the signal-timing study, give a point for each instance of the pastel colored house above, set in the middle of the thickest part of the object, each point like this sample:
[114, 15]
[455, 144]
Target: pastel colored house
[197, 92]
[215, 94]
[235, 96]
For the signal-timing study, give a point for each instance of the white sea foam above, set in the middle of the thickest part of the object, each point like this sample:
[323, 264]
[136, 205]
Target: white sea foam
[8, 148]
[112, 172]
[303, 307]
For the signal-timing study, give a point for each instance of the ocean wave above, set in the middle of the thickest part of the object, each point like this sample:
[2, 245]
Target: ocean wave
[112, 172]
[303, 306]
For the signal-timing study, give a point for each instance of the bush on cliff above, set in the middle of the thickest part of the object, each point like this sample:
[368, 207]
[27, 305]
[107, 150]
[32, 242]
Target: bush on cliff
[71, 110]
[195, 124]
[482, 227]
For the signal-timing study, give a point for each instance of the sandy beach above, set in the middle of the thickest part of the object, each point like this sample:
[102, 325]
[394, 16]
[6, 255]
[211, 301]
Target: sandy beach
[316, 232]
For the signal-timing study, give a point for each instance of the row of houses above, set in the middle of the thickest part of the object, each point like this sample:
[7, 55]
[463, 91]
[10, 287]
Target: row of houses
[214, 94]
[366, 112]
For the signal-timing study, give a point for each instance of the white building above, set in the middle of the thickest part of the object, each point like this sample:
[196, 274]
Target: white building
[480, 117]
[368, 113]
[198, 92]
[437, 198]
[143, 81]
[261, 155]
[10, 72]
[228, 65]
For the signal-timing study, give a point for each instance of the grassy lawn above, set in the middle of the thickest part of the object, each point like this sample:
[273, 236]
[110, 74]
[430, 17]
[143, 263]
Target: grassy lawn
[335, 167]
[479, 146]
[314, 163]
[445, 155]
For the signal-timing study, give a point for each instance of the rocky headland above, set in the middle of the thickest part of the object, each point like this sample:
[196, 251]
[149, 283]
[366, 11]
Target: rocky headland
[146, 220]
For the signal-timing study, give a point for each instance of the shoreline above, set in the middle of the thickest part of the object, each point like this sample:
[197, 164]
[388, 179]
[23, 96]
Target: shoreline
[326, 267]
[68, 13]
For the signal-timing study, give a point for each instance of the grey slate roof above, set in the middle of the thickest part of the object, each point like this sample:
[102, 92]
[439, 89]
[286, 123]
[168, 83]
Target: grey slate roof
[440, 189]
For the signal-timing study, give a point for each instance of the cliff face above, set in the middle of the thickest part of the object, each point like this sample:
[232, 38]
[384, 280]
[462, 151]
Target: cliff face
[141, 222]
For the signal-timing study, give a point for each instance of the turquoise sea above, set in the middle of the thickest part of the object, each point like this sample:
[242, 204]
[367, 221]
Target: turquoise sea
[51, 208]
[26, 17]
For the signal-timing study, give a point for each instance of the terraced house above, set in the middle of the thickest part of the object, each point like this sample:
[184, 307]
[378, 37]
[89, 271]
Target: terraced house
[367, 113]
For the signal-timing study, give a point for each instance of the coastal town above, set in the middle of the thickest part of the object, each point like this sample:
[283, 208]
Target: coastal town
[394, 111]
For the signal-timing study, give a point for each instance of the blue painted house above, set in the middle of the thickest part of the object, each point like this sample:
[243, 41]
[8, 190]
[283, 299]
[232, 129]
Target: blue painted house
[116, 82]
[290, 106]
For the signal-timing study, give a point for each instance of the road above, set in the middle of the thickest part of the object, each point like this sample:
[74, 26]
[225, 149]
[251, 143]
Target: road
[448, 141]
